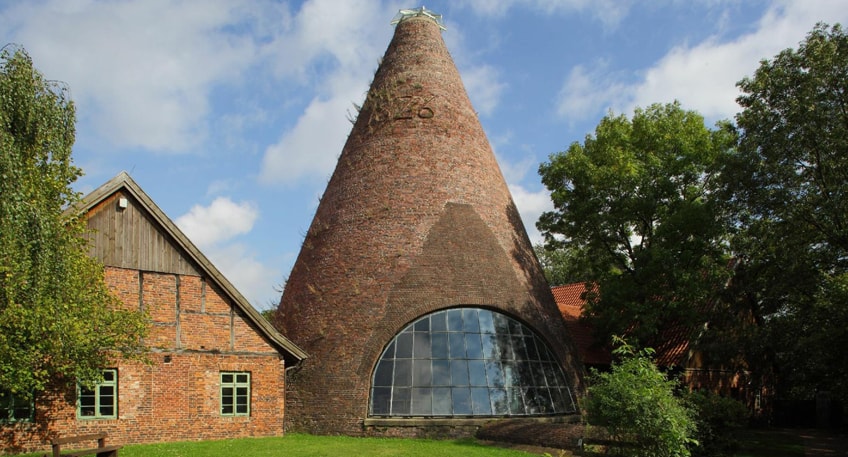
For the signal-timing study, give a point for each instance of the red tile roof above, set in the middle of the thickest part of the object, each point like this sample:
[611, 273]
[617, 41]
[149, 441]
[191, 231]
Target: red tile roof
[672, 348]
[569, 299]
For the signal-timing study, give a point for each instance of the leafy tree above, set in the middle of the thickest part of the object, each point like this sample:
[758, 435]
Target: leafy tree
[634, 202]
[562, 264]
[58, 320]
[636, 404]
[788, 189]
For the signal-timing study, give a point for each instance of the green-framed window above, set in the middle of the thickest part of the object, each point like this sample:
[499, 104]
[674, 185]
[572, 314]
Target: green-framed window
[235, 393]
[100, 401]
[15, 408]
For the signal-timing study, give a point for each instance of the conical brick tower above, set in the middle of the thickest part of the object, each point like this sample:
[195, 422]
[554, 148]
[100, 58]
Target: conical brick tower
[417, 225]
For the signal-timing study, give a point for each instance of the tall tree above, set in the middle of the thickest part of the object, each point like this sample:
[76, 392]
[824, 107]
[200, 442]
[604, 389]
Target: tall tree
[58, 320]
[634, 200]
[788, 187]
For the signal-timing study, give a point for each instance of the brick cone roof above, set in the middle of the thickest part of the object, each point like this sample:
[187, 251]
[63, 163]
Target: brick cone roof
[417, 217]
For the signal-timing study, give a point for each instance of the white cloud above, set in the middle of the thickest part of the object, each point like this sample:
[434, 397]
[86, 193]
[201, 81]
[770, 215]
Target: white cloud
[220, 221]
[212, 228]
[344, 40]
[585, 93]
[531, 205]
[252, 278]
[142, 71]
[702, 76]
[483, 86]
[310, 149]
[608, 12]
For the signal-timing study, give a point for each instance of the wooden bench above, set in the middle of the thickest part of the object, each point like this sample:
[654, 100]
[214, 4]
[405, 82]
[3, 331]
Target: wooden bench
[102, 450]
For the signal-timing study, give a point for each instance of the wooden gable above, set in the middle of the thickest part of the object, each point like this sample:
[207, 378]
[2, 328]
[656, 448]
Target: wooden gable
[124, 234]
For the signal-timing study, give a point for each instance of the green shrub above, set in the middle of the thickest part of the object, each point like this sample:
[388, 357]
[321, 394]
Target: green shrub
[718, 419]
[635, 402]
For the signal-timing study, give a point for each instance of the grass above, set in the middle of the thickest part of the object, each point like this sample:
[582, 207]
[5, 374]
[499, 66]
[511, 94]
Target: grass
[769, 443]
[317, 446]
[754, 443]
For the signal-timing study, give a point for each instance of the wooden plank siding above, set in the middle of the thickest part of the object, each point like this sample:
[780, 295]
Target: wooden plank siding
[127, 238]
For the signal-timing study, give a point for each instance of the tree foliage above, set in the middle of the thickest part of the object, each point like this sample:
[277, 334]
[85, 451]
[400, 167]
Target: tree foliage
[58, 319]
[636, 404]
[788, 189]
[634, 202]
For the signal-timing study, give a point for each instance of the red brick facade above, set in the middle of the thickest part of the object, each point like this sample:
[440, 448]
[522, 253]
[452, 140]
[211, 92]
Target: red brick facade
[198, 329]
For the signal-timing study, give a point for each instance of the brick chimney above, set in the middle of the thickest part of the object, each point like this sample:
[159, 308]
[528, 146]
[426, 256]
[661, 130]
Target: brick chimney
[416, 218]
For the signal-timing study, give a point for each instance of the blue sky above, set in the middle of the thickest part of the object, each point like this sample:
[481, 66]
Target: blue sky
[231, 114]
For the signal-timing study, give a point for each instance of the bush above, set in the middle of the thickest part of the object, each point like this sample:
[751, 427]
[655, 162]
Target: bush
[718, 419]
[635, 402]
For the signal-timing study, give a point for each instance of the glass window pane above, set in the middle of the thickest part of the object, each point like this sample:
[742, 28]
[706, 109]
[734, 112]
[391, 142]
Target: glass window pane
[422, 401]
[454, 320]
[532, 353]
[441, 373]
[470, 322]
[459, 372]
[422, 325]
[494, 373]
[477, 372]
[514, 327]
[401, 401]
[516, 402]
[473, 346]
[227, 378]
[511, 375]
[438, 323]
[461, 397]
[381, 398]
[242, 378]
[556, 397]
[487, 323]
[480, 401]
[442, 401]
[439, 345]
[500, 405]
[457, 345]
[403, 373]
[108, 375]
[491, 350]
[390, 351]
[421, 345]
[22, 411]
[383, 376]
[421, 373]
[404, 346]
[519, 348]
[501, 323]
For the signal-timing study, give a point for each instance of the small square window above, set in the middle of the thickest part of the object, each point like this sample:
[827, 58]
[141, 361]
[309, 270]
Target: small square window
[101, 400]
[235, 394]
[15, 408]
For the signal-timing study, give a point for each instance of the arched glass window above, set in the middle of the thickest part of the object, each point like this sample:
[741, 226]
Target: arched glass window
[468, 362]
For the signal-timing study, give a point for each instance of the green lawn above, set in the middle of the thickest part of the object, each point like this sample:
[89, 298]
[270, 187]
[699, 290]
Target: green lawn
[314, 446]
[770, 443]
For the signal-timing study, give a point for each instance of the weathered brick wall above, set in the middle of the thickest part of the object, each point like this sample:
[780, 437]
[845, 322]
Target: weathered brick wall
[177, 395]
[416, 217]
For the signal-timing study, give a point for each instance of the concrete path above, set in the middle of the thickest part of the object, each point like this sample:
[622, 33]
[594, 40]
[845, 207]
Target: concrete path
[823, 443]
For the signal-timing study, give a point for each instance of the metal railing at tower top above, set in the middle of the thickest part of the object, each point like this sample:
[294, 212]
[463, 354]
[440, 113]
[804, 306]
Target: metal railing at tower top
[403, 15]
